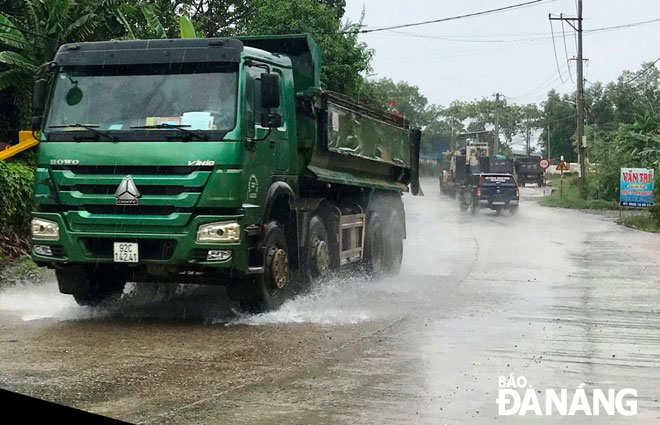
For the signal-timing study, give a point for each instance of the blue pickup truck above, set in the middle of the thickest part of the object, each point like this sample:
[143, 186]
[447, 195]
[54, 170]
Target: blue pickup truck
[497, 191]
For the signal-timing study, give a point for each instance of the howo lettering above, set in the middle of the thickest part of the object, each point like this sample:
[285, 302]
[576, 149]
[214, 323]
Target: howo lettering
[217, 161]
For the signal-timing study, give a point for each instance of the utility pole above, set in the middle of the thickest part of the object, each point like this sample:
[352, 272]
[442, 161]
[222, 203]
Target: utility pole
[547, 147]
[497, 124]
[582, 143]
[527, 133]
[581, 140]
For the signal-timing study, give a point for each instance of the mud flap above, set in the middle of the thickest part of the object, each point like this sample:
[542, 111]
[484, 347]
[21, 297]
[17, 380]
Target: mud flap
[415, 140]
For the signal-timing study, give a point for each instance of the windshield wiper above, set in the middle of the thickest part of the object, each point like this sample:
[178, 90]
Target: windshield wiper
[90, 127]
[174, 126]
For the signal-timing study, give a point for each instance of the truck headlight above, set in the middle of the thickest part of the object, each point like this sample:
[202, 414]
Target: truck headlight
[228, 231]
[45, 229]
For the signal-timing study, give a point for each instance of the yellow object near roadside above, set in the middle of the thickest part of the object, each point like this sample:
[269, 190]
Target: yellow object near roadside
[25, 142]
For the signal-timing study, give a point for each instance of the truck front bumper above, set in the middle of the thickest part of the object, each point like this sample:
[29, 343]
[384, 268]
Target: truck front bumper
[178, 248]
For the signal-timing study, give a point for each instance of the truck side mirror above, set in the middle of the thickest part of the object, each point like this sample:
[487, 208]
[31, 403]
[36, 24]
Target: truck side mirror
[39, 96]
[270, 90]
[38, 103]
[35, 122]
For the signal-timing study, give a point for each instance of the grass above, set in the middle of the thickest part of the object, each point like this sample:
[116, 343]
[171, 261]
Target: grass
[569, 197]
[22, 269]
[642, 222]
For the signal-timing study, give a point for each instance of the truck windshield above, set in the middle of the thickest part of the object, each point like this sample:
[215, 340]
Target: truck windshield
[156, 98]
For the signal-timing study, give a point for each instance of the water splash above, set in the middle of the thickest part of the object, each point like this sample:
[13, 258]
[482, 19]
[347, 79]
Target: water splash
[34, 302]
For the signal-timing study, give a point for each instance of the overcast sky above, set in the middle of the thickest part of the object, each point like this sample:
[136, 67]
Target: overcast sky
[524, 71]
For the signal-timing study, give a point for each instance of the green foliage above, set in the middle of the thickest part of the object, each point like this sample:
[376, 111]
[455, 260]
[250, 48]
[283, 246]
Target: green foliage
[344, 58]
[187, 29]
[645, 222]
[569, 197]
[15, 206]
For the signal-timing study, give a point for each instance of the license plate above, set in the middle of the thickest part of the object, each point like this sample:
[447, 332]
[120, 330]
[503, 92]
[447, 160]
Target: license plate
[125, 252]
[499, 203]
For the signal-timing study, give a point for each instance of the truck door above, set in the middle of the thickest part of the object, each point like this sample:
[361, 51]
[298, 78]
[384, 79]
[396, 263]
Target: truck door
[276, 146]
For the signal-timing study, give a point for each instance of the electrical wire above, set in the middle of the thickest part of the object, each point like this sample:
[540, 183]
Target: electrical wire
[541, 35]
[546, 83]
[642, 72]
[563, 32]
[451, 18]
[29, 32]
[554, 47]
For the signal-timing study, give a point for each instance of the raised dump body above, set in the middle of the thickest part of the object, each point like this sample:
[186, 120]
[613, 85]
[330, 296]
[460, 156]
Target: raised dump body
[218, 161]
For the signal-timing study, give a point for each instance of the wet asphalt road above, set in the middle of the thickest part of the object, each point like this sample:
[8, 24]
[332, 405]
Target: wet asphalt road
[562, 297]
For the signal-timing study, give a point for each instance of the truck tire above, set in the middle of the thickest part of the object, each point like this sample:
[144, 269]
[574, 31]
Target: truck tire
[318, 252]
[474, 207]
[394, 243]
[374, 245]
[91, 287]
[270, 289]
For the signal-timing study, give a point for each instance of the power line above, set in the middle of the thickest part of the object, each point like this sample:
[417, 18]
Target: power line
[22, 30]
[541, 35]
[451, 18]
[546, 83]
[554, 47]
[642, 72]
[563, 32]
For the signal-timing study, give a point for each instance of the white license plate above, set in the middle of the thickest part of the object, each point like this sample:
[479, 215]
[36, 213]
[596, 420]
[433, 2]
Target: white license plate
[125, 252]
[499, 203]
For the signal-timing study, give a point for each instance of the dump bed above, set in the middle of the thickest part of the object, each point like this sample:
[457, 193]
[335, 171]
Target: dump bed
[340, 140]
[363, 146]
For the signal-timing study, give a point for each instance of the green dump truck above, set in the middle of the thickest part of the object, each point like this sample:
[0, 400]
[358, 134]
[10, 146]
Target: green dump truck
[212, 161]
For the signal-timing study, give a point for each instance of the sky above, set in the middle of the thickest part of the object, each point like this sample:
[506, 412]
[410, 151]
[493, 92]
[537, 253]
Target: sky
[477, 63]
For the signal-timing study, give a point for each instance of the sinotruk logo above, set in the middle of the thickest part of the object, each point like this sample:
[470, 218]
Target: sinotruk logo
[516, 397]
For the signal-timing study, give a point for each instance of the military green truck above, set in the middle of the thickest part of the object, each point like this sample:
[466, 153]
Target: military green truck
[212, 161]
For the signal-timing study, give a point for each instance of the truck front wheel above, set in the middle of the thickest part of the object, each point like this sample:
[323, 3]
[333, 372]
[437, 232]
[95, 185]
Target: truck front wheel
[91, 286]
[272, 287]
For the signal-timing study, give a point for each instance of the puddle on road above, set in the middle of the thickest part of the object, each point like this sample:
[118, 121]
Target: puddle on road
[340, 301]
[336, 302]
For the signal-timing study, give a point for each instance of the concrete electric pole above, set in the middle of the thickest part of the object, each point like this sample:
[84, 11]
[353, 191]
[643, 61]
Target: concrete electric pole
[497, 124]
[581, 140]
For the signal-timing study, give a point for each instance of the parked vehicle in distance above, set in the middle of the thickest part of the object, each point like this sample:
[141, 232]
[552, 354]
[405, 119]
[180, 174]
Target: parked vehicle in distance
[496, 191]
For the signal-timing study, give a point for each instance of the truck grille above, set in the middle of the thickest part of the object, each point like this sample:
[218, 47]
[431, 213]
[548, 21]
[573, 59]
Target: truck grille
[163, 190]
[132, 210]
[103, 189]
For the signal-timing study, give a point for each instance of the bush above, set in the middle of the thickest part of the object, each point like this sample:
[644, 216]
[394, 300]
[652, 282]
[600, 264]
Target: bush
[570, 197]
[16, 189]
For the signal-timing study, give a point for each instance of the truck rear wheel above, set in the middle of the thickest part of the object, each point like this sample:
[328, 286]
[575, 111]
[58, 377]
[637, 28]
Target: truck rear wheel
[91, 287]
[273, 286]
[394, 243]
[318, 250]
[474, 207]
[374, 245]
